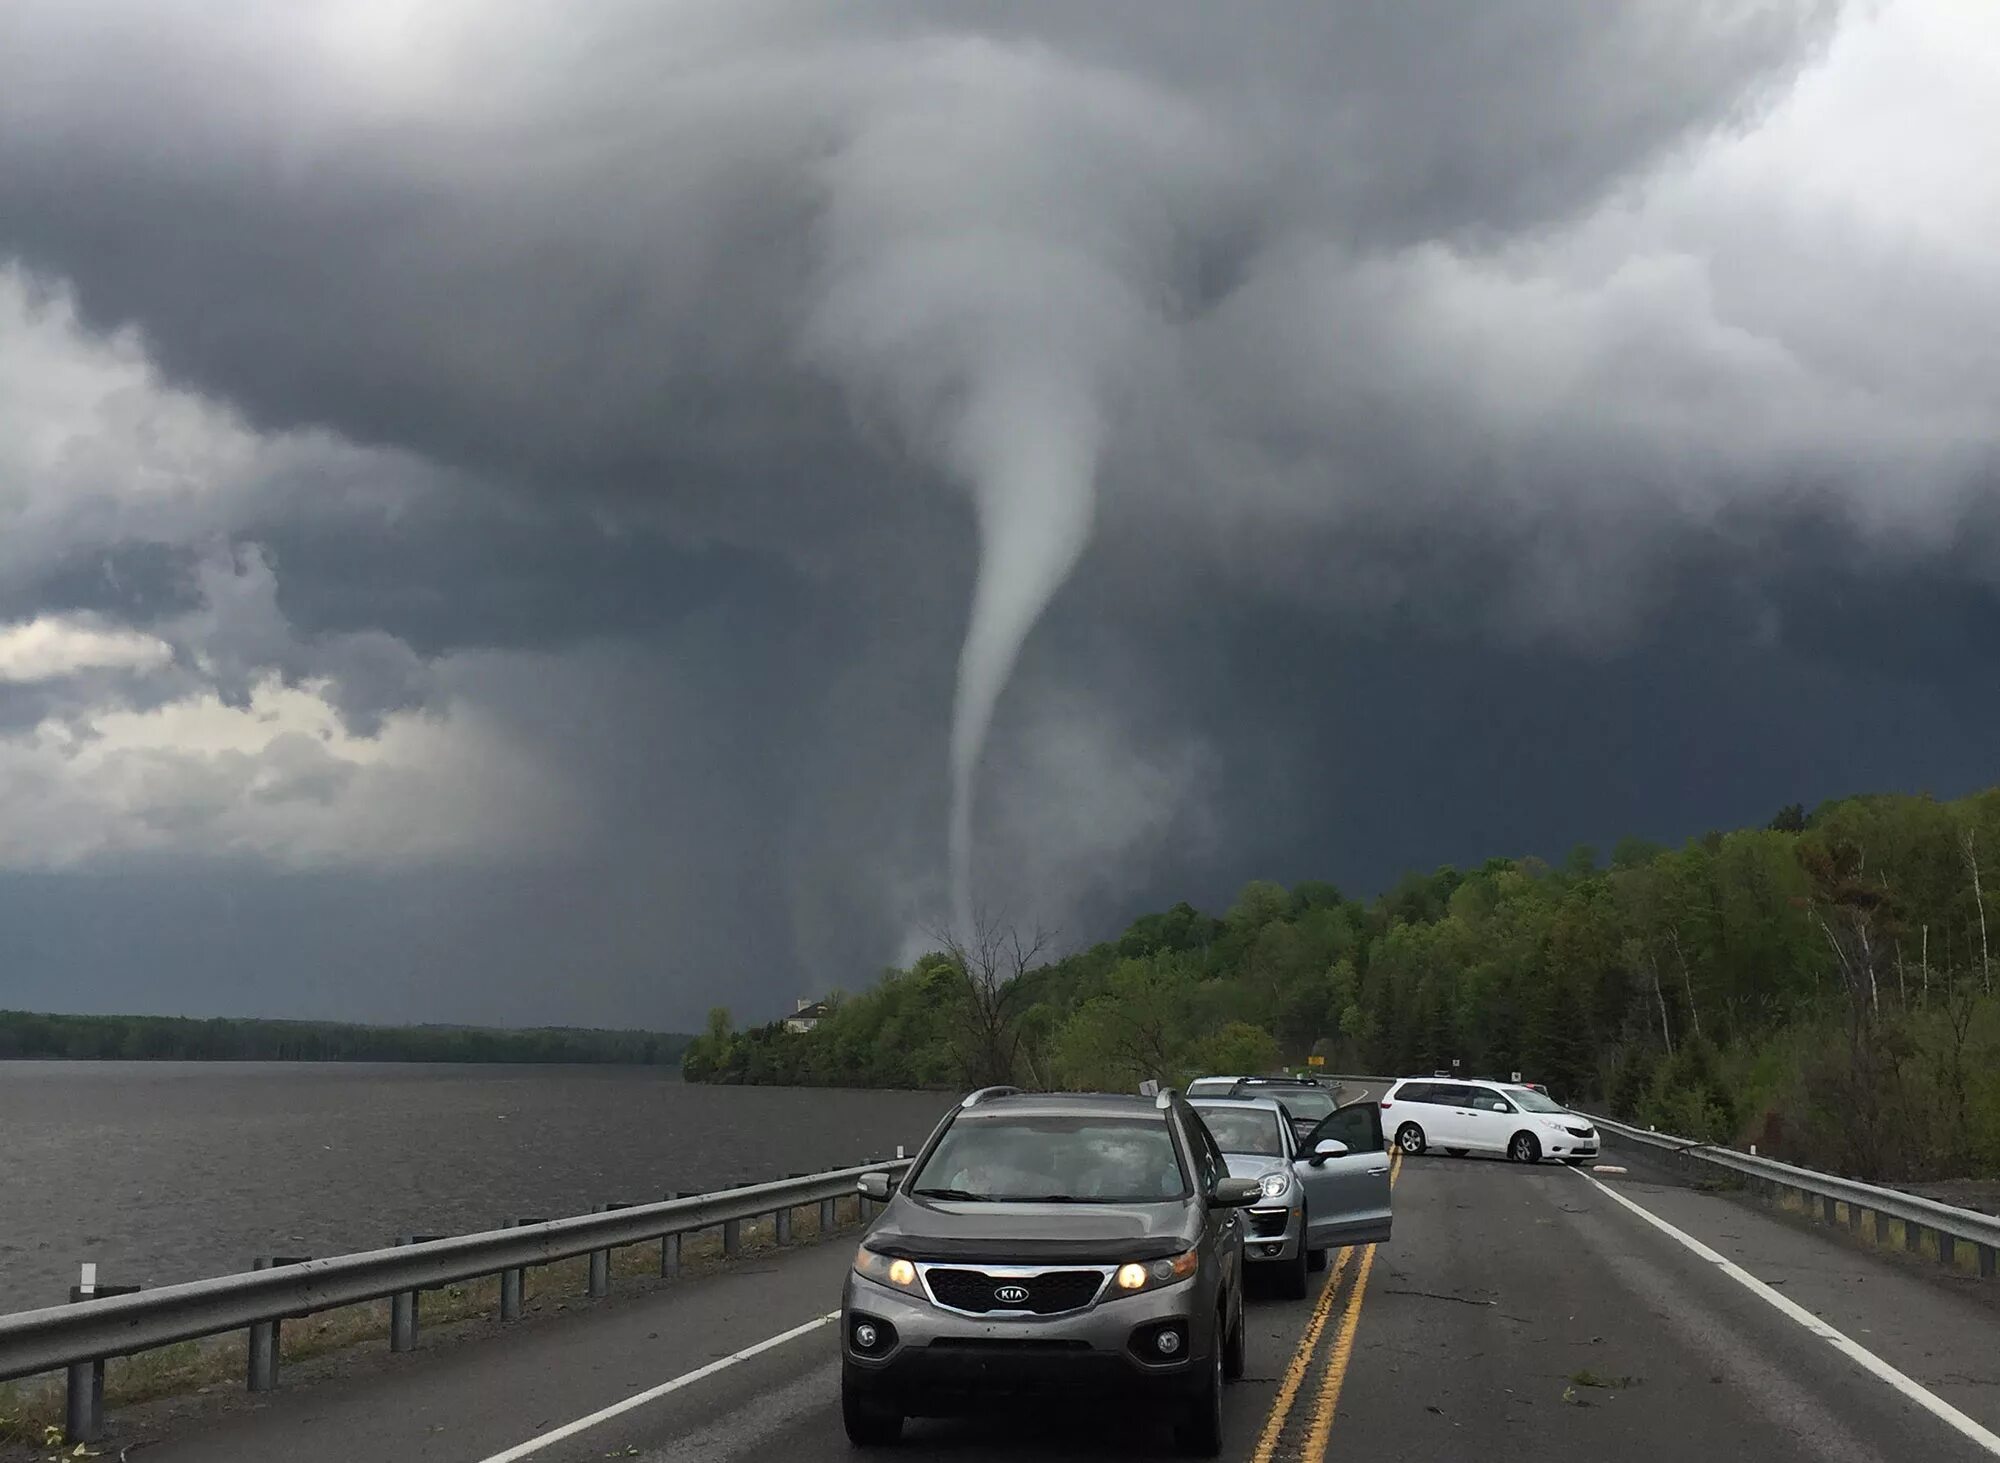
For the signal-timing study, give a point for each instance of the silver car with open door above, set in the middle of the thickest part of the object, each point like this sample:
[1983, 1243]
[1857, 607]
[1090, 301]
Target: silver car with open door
[1311, 1201]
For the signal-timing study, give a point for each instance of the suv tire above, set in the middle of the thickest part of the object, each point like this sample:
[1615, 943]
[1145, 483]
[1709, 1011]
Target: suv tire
[1291, 1275]
[1199, 1432]
[1233, 1351]
[1316, 1260]
[869, 1424]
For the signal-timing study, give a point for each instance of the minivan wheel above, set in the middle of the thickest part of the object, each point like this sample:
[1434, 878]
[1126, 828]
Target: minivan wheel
[869, 1424]
[1524, 1149]
[1410, 1138]
[1199, 1434]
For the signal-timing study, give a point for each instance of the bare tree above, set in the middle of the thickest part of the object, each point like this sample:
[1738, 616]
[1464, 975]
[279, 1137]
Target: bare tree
[1968, 844]
[991, 958]
[1687, 980]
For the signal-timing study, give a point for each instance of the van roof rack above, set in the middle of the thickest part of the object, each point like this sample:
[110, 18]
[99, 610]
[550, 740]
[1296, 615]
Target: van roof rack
[987, 1094]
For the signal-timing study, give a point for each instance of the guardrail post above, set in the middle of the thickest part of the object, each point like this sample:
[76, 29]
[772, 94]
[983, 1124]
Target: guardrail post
[1913, 1236]
[600, 1260]
[403, 1305]
[1988, 1254]
[261, 1369]
[829, 1216]
[83, 1410]
[781, 1222]
[513, 1283]
[732, 1232]
[83, 1403]
[599, 1284]
[1947, 1248]
[670, 1244]
[1828, 1209]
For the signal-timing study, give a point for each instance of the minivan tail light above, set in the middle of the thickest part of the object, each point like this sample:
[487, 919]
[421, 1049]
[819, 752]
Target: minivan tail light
[1386, 1103]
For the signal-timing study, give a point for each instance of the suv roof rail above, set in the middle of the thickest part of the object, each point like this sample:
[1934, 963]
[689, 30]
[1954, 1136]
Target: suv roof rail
[986, 1094]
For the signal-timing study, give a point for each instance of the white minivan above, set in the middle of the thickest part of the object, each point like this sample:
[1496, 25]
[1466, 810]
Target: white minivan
[1484, 1117]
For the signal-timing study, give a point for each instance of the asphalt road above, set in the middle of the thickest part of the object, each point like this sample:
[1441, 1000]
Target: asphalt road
[1519, 1314]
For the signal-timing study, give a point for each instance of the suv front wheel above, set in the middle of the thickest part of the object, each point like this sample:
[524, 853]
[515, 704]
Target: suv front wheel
[869, 1424]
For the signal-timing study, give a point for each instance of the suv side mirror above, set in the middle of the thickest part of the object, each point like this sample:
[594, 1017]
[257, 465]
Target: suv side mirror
[873, 1186]
[1328, 1148]
[1235, 1193]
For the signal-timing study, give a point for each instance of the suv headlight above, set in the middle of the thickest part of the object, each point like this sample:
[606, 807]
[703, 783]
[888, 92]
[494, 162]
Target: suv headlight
[1154, 1274]
[1275, 1185]
[896, 1274]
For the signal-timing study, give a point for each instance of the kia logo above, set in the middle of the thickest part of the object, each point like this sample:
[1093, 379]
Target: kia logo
[1011, 1295]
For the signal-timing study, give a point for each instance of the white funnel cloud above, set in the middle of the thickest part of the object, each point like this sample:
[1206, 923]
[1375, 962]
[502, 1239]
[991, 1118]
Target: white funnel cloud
[1028, 442]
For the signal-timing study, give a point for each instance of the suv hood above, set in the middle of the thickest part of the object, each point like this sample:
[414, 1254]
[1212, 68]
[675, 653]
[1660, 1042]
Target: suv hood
[1103, 1234]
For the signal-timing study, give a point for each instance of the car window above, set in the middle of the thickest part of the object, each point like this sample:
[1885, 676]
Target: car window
[1487, 1100]
[1245, 1130]
[1094, 1159]
[1210, 1086]
[1208, 1158]
[1413, 1092]
[1358, 1125]
[1528, 1100]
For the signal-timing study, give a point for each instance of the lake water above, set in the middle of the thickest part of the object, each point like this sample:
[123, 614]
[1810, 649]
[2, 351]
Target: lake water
[167, 1171]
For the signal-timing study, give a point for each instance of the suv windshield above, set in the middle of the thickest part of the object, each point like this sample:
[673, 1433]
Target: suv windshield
[1049, 1159]
[1529, 1100]
[1244, 1130]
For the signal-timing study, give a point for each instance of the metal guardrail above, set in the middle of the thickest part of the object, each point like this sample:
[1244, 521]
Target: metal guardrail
[82, 1335]
[1952, 1225]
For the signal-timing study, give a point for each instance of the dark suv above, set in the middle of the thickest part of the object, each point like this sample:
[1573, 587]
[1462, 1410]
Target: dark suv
[1050, 1244]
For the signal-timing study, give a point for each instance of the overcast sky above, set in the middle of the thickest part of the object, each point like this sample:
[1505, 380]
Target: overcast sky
[521, 512]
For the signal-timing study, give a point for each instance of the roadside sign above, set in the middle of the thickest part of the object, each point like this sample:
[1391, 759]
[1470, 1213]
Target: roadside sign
[1315, 1061]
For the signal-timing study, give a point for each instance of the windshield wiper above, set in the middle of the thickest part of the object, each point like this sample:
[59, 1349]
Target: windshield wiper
[964, 1196]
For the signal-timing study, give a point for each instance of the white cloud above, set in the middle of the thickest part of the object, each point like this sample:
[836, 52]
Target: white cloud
[50, 647]
[278, 779]
[97, 451]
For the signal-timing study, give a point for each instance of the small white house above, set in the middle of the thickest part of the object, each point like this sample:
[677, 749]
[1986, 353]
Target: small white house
[806, 1015]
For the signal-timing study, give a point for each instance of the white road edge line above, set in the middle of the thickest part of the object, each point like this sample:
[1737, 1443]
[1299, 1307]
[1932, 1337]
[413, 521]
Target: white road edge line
[651, 1394]
[1839, 1340]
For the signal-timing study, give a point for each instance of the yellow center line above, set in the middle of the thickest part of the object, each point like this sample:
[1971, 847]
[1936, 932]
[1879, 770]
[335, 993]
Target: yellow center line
[1295, 1372]
[1336, 1362]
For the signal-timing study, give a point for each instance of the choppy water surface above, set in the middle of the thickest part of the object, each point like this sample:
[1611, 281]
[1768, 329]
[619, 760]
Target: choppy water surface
[165, 1171]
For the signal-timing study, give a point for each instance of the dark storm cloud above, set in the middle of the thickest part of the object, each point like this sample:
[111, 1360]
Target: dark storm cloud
[1389, 404]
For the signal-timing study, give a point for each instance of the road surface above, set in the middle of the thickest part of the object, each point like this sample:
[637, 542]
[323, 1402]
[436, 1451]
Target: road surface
[1539, 1315]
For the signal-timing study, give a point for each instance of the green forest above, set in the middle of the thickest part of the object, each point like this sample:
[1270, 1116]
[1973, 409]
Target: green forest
[29, 1034]
[1822, 986]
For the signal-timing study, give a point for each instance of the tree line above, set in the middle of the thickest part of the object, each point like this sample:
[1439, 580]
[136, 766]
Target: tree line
[30, 1034]
[1823, 986]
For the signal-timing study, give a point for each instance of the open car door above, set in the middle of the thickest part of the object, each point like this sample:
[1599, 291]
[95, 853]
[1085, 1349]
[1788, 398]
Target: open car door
[1347, 1194]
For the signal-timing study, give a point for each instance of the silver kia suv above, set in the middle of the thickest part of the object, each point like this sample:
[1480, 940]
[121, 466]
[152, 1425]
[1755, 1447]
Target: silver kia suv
[1086, 1245]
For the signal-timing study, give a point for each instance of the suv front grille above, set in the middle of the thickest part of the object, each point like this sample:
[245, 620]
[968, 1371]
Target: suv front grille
[1046, 1292]
[1268, 1223]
